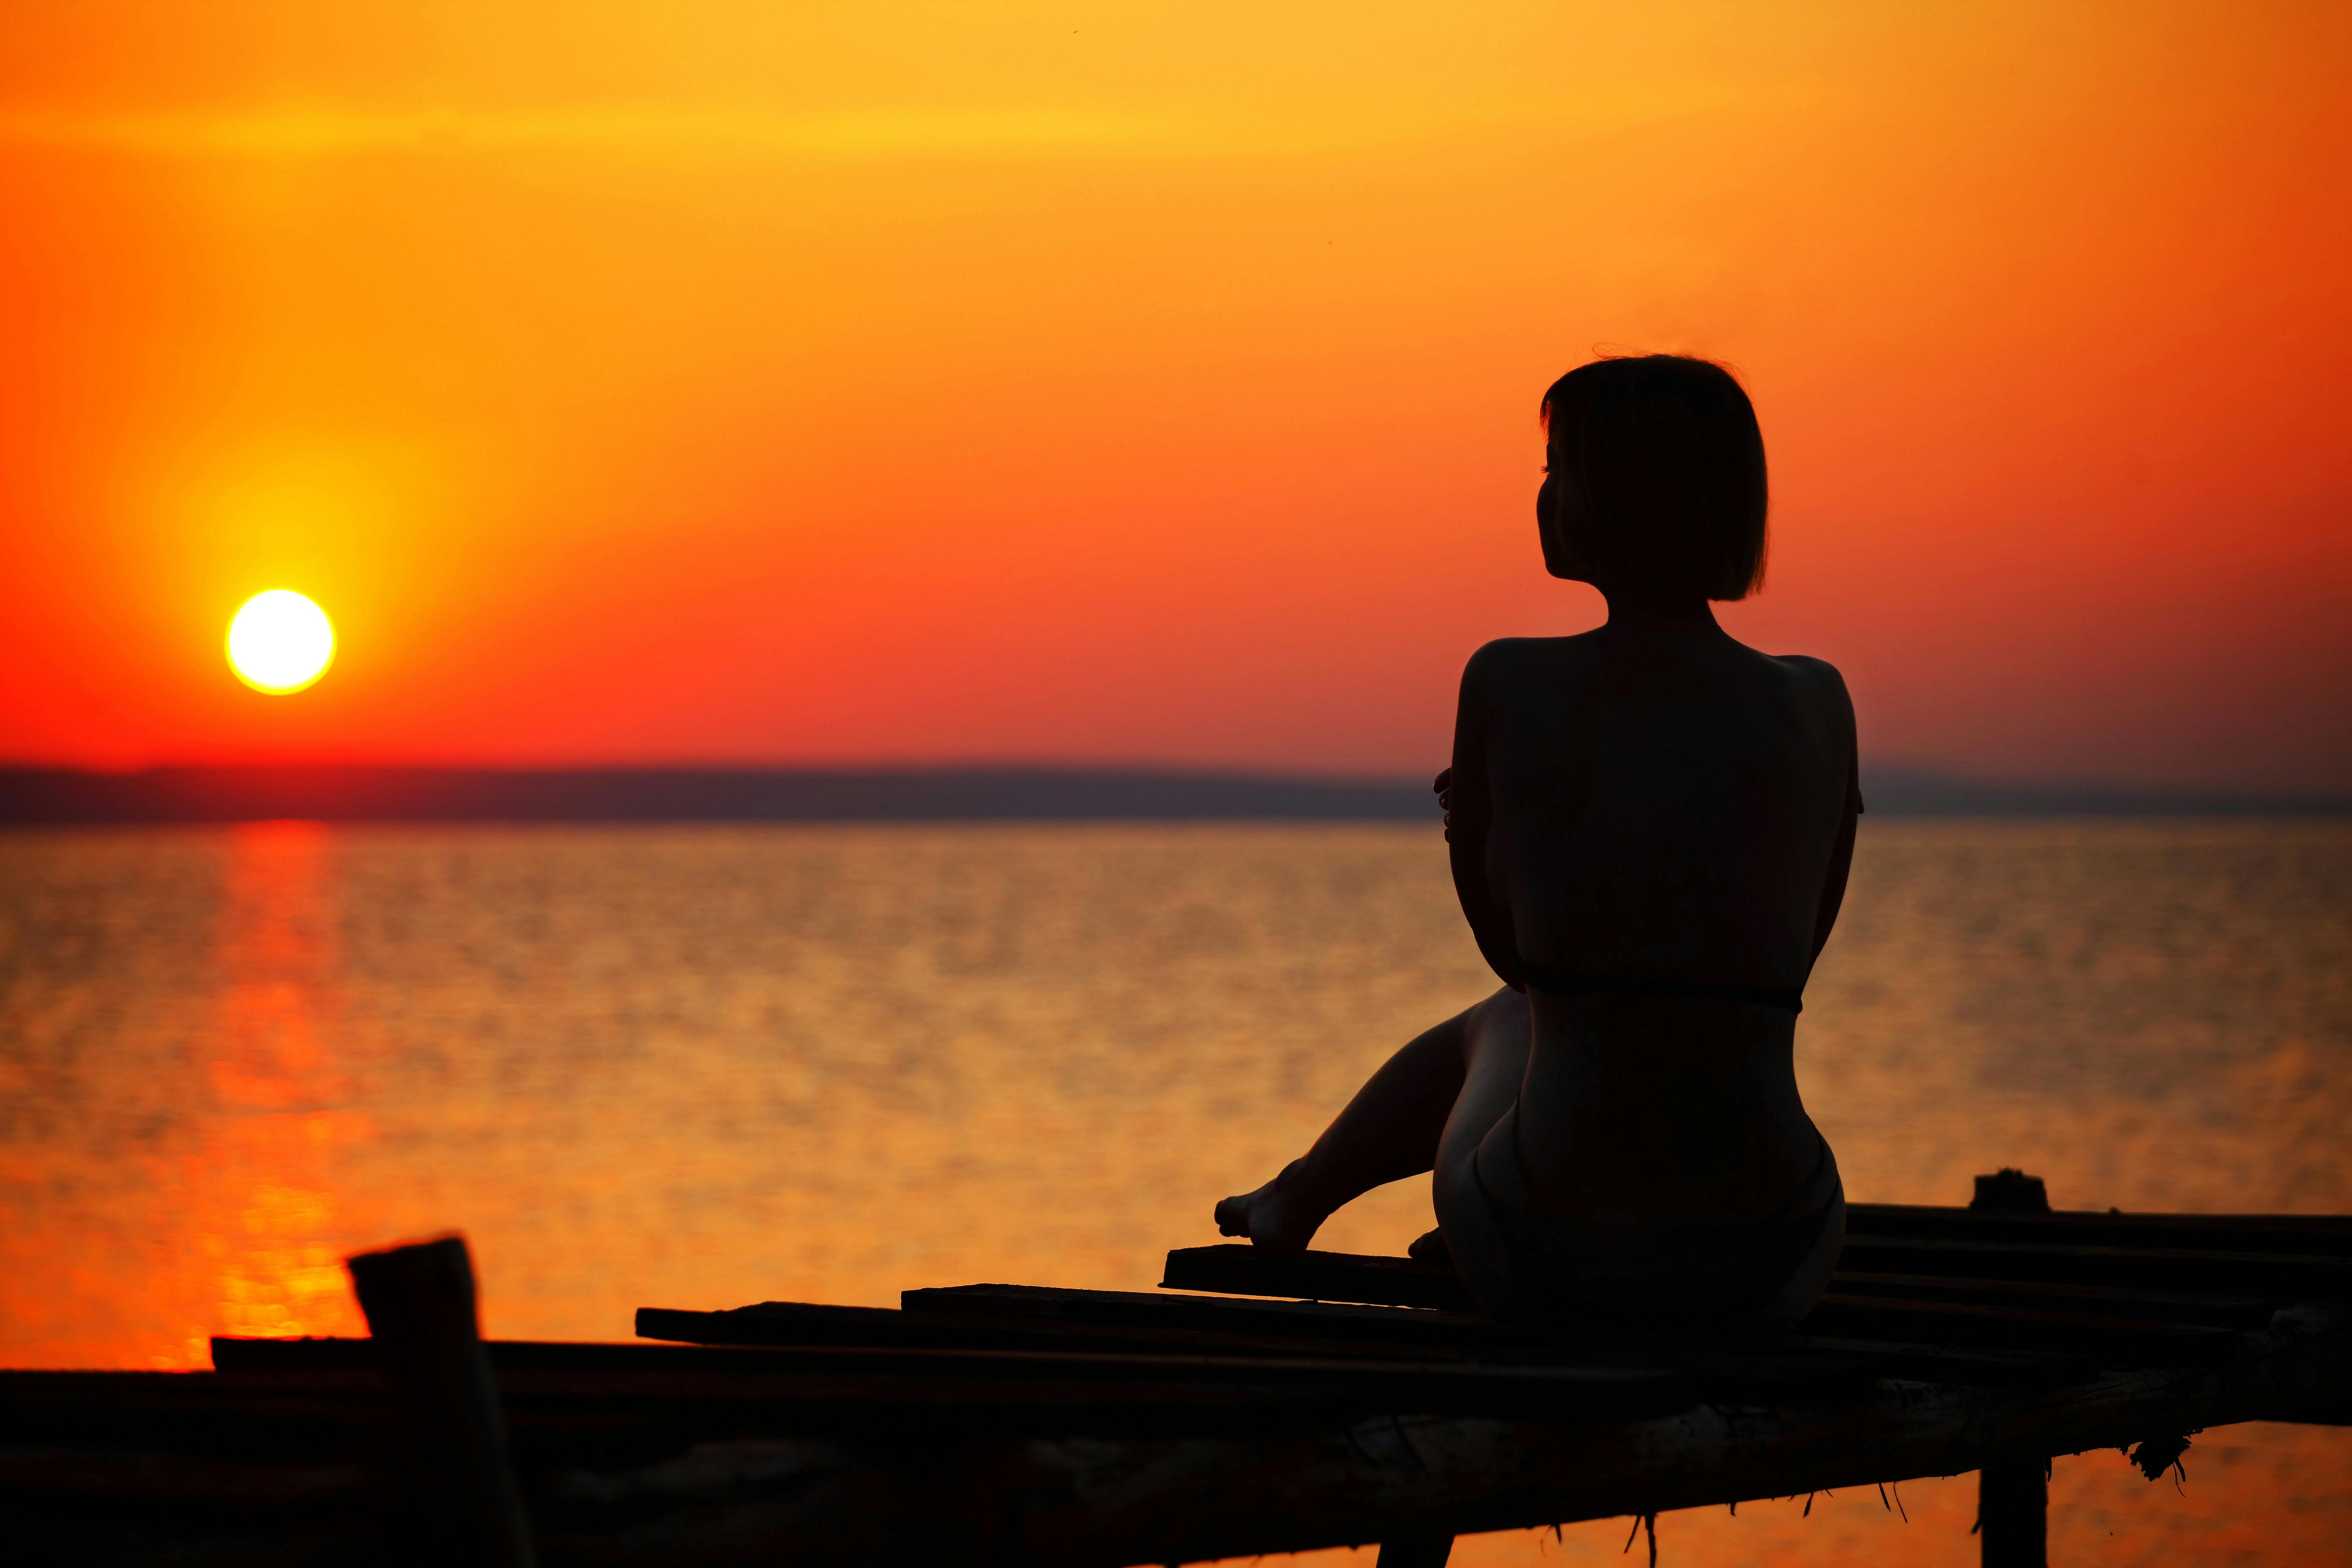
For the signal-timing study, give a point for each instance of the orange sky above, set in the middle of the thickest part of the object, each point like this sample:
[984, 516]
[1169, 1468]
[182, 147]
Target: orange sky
[726, 383]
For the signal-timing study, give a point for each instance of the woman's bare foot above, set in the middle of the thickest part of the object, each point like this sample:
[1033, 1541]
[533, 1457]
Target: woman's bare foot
[1278, 1217]
[1430, 1248]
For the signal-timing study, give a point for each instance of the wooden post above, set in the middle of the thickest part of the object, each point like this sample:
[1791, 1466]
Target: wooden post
[1415, 1551]
[2013, 1515]
[2013, 1500]
[419, 1302]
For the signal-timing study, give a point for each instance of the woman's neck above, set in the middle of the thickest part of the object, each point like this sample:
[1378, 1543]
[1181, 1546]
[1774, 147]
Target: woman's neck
[1630, 612]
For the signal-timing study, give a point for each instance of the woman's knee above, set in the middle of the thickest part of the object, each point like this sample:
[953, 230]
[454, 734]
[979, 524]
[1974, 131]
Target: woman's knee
[1494, 1060]
[1495, 1035]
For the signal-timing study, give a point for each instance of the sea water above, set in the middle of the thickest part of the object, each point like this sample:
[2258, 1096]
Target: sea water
[699, 1067]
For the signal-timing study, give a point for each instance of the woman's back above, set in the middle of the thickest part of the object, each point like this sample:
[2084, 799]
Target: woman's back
[1665, 802]
[1653, 802]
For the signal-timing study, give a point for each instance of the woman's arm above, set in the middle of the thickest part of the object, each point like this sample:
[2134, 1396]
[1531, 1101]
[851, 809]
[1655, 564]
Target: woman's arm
[1470, 816]
[1842, 854]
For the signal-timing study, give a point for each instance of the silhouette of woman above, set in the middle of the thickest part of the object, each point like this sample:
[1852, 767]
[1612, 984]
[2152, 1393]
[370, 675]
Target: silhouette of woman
[1650, 826]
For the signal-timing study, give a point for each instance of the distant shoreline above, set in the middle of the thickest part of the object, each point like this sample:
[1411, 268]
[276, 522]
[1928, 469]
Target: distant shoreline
[30, 796]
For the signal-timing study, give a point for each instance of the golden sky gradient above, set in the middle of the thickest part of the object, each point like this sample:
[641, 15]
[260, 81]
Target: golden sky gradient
[769, 384]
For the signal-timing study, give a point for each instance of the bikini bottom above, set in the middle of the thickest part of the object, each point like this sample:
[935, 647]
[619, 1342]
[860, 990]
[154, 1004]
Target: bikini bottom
[1759, 1277]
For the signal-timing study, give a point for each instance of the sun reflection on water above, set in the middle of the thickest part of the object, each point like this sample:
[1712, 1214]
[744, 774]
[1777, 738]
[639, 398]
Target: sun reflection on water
[273, 1220]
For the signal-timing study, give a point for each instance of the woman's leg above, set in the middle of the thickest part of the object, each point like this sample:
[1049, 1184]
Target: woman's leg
[1495, 1048]
[1398, 1125]
[1498, 1046]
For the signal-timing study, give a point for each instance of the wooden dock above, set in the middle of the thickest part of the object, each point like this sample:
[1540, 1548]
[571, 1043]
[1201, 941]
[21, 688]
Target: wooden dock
[1251, 1406]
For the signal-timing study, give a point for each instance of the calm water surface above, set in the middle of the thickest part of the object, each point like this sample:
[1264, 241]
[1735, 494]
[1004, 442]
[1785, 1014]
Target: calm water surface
[702, 1067]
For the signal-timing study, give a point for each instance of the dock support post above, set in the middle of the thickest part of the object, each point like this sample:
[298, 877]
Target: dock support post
[2013, 1516]
[419, 1302]
[2013, 1500]
[1415, 1551]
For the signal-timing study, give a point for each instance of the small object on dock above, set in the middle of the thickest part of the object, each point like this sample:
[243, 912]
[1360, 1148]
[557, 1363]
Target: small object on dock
[420, 1307]
[2011, 1189]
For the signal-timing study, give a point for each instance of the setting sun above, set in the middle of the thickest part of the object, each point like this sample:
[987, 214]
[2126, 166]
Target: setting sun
[281, 642]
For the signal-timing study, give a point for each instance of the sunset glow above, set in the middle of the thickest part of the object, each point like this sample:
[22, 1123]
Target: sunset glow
[1102, 382]
[802, 654]
[281, 642]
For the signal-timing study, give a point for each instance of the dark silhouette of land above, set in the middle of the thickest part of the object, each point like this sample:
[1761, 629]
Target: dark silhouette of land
[695, 795]
[1034, 793]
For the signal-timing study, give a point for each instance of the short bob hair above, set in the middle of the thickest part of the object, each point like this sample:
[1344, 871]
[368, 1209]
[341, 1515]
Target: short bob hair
[1658, 475]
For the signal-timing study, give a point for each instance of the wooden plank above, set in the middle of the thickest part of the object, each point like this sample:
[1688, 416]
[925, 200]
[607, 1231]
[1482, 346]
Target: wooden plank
[323, 1417]
[755, 1366]
[1349, 1321]
[788, 1324]
[1747, 1371]
[1960, 1366]
[1102, 1392]
[1316, 1277]
[1979, 1365]
[2243, 1313]
[1742, 1373]
[2113, 1341]
[2310, 1235]
[2280, 1276]
[207, 1482]
[1335, 1276]
[573, 1416]
[1970, 1314]
[129, 1505]
[748, 1364]
[1084, 1386]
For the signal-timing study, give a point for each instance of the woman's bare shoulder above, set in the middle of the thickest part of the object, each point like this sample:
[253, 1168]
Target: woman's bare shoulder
[1817, 681]
[1819, 673]
[1509, 671]
[1505, 657]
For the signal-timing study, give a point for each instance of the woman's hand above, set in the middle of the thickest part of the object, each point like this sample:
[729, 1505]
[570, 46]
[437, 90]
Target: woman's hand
[1444, 788]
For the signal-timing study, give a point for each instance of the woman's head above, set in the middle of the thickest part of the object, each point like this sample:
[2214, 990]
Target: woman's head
[1657, 479]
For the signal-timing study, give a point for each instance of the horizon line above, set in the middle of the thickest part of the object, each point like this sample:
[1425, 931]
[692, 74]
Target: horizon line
[37, 794]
